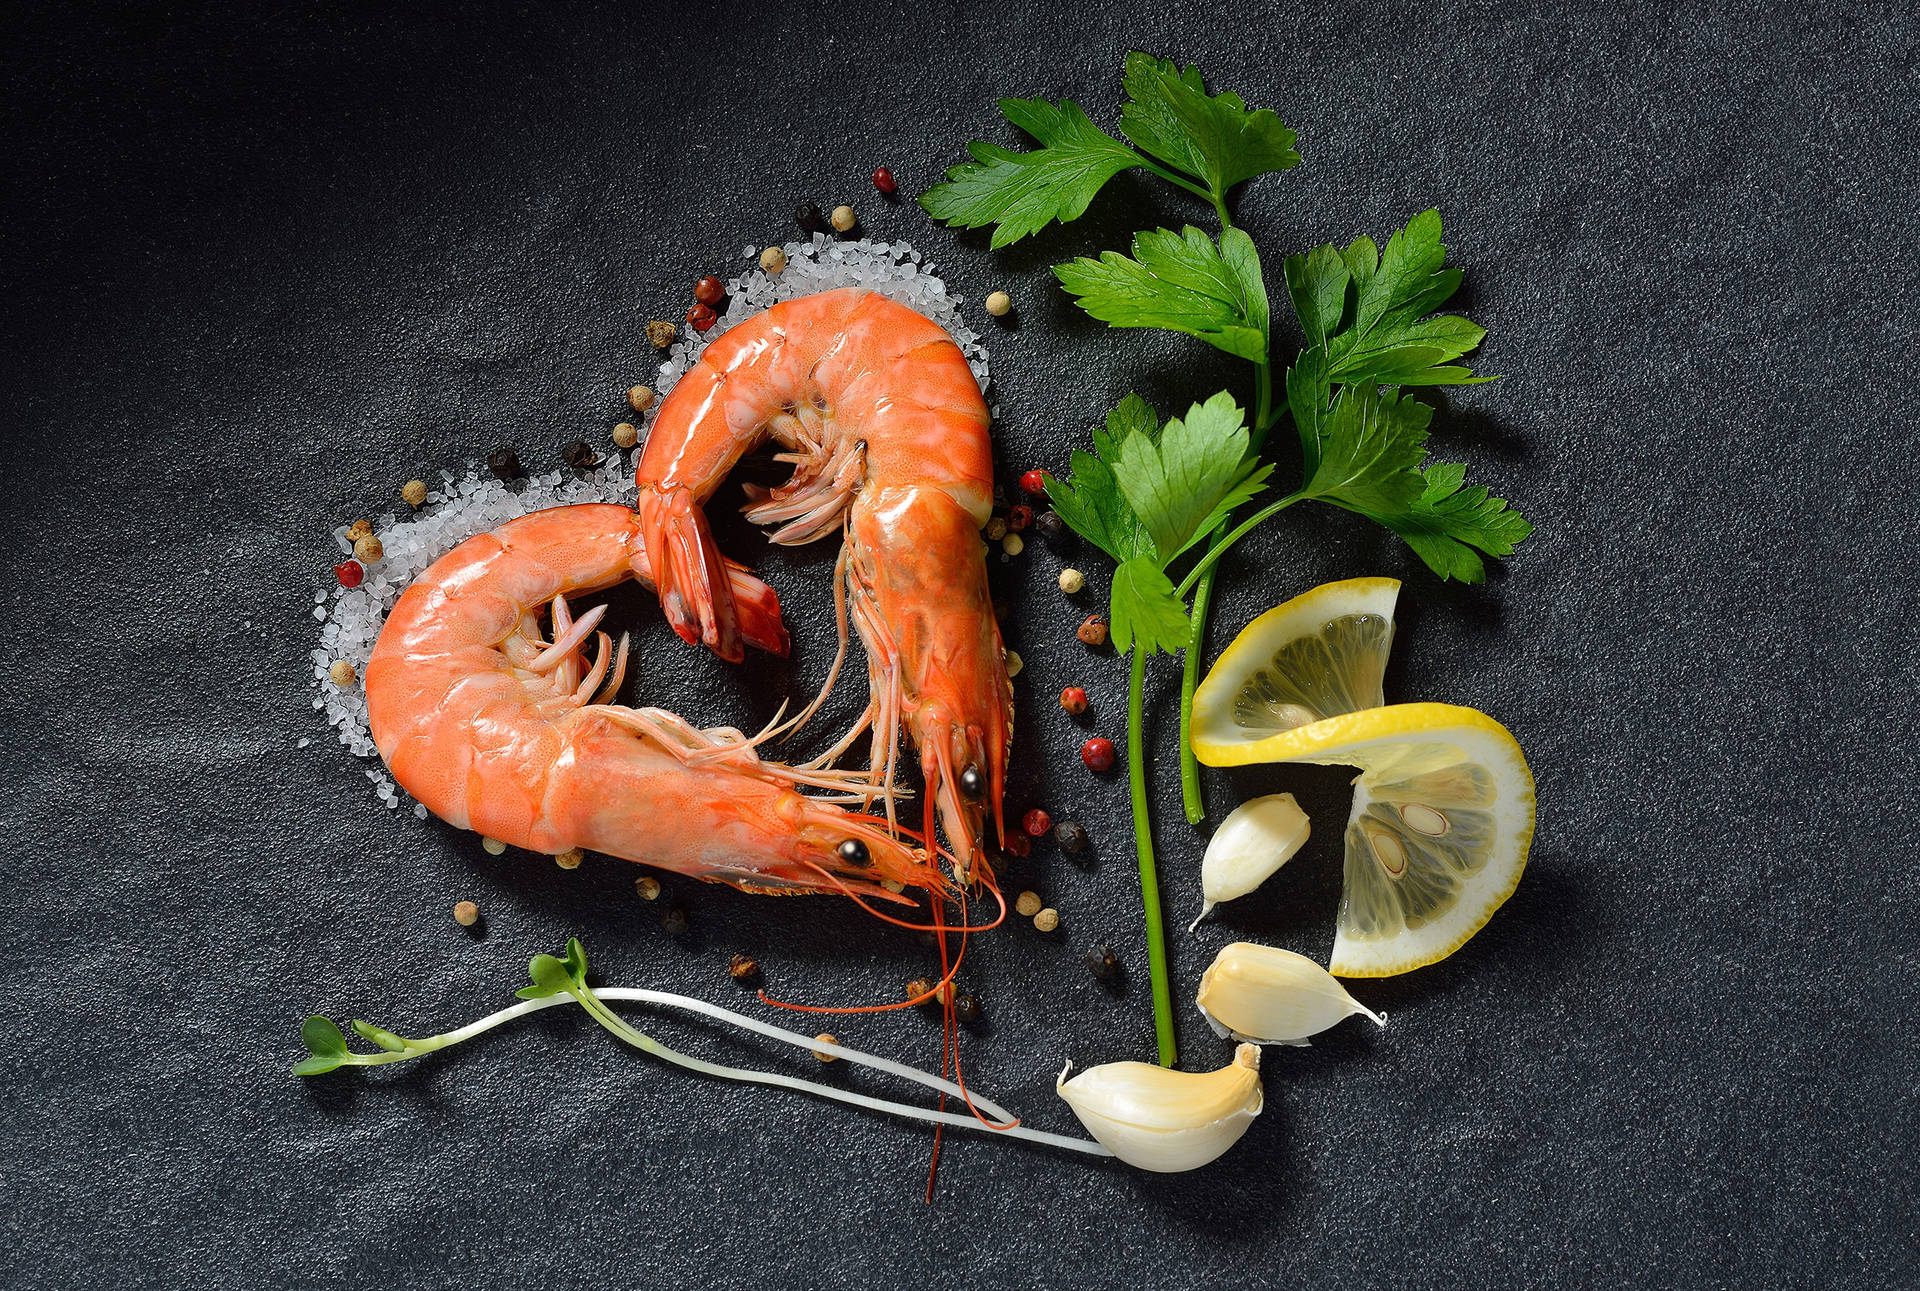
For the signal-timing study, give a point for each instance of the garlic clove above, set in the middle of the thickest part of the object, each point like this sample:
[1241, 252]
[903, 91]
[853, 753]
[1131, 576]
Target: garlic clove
[1271, 996]
[1260, 836]
[1162, 1120]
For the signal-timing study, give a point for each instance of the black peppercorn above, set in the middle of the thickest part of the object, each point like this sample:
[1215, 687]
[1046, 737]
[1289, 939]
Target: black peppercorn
[674, 921]
[1071, 835]
[966, 1008]
[1052, 529]
[505, 463]
[578, 455]
[1102, 963]
[810, 220]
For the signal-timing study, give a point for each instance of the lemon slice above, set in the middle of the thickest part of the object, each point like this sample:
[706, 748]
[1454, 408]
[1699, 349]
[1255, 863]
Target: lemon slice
[1319, 655]
[1443, 815]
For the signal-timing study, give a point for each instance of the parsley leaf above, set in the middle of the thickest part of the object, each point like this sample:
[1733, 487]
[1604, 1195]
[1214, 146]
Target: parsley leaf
[1021, 193]
[1146, 611]
[1447, 522]
[1214, 138]
[1181, 282]
[1186, 482]
[1090, 500]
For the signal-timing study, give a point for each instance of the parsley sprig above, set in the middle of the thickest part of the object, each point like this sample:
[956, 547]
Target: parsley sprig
[1148, 494]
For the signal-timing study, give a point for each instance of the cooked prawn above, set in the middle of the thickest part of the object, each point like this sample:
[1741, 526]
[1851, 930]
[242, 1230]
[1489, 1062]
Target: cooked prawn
[880, 415]
[498, 729]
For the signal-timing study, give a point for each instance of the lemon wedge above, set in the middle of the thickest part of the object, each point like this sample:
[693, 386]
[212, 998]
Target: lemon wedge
[1442, 818]
[1319, 655]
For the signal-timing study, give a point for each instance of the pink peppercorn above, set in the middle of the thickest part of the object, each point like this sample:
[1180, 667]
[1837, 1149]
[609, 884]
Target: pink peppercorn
[1097, 753]
[1036, 822]
[351, 573]
[883, 180]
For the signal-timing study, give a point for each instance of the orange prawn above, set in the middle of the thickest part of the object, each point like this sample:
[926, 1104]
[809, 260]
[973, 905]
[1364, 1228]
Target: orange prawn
[882, 419]
[495, 728]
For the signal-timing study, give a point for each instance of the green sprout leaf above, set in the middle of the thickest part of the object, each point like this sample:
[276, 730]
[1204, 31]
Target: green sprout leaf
[1146, 613]
[1180, 282]
[1192, 477]
[1020, 193]
[1215, 138]
[550, 977]
[326, 1047]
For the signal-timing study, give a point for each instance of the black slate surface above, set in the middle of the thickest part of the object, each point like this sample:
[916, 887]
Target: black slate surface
[261, 267]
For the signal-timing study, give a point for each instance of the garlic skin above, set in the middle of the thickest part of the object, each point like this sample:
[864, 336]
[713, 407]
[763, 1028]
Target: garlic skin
[1266, 995]
[1260, 836]
[1166, 1121]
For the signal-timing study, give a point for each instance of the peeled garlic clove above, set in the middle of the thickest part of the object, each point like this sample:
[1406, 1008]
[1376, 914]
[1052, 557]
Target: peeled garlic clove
[1272, 996]
[1164, 1120]
[1259, 837]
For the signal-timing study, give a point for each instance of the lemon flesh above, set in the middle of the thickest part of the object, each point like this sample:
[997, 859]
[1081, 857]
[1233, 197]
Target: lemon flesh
[1319, 655]
[1443, 815]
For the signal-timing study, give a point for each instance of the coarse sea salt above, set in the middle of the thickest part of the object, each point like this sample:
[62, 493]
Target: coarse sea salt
[472, 501]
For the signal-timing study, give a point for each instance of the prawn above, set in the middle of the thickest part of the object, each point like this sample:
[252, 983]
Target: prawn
[495, 728]
[882, 419]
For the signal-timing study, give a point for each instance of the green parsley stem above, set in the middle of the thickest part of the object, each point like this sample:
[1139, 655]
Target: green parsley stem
[1240, 531]
[1143, 847]
[1173, 178]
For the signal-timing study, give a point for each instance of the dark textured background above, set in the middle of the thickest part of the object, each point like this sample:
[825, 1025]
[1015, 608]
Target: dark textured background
[260, 268]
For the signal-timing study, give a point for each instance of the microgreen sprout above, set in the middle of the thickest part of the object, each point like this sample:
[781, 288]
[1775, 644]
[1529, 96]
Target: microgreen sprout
[560, 980]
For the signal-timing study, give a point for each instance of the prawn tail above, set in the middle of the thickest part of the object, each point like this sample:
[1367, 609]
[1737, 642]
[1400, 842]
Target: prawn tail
[696, 588]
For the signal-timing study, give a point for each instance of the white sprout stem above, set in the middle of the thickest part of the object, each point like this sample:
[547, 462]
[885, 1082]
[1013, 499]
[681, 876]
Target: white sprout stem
[636, 995]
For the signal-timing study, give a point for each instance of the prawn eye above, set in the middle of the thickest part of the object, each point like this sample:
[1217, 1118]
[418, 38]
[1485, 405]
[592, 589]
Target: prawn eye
[973, 784]
[854, 852]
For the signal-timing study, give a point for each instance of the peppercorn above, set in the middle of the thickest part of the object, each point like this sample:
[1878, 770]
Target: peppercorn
[359, 529]
[350, 573]
[826, 1037]
[1019, 518]
[569, 859]
[505, 464]
[998, 303]
[917, 987]
[576, 454]
[701, 317]
[1027, 904]
[675, 921]
[1018, 844]
[342, 673]
[709, 290]
[808, 218]
[1071, 835]
[1047, 920]
[844, 219]
[466, 913]
[773, 260]
[883, 180]
[1092, 630]
[1035, 483]
[1074, 700]
[1036, 822]
[661, 333]
[966, 1008]
[1097, 753]
[492, 846]
[743, 969]
[1102, 963]
[626, 435]
[1014, 664]
[996, 529]
[648, 887]
[1052, 528]
[1013, 544]
[368, 549]
[414, 493]
[1072, 580]
[640, 398]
